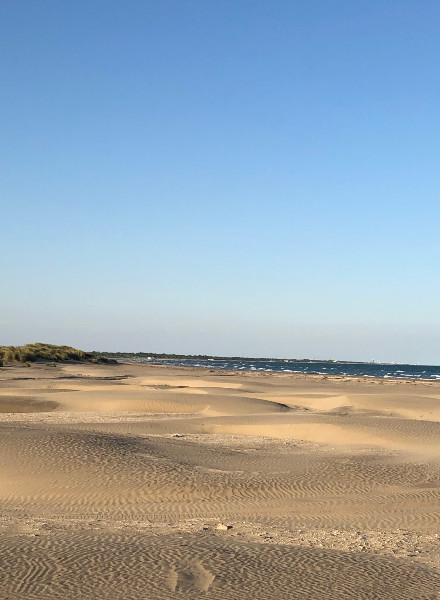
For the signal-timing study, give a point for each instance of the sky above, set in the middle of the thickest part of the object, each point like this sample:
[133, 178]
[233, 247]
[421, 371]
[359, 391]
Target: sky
[256, 178]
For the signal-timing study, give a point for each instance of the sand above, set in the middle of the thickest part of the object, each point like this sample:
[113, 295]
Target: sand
[142, 482]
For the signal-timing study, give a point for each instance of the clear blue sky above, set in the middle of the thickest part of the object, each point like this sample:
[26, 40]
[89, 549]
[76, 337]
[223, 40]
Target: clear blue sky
[223, 177]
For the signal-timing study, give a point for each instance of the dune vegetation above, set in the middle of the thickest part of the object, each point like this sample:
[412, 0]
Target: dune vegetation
[39, 352]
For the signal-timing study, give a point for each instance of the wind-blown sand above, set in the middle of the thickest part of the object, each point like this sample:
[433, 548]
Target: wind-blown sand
[114, 480]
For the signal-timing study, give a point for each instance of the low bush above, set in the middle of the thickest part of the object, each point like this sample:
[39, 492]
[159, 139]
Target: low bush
[42, 352]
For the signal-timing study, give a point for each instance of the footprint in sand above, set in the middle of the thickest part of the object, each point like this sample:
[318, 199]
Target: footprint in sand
[194, 576]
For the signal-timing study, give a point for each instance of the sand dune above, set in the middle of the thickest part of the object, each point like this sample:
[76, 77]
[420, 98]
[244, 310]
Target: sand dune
[113, 480]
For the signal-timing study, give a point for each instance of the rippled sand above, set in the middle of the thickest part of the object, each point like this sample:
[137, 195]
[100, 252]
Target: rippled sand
[113, 480]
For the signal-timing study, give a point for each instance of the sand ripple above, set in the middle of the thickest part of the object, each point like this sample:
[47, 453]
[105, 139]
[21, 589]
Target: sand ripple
[105, 565]
[112, 481]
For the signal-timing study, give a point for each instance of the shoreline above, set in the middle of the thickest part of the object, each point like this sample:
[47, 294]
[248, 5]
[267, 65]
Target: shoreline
[296, 375]
[234, 372]
[292, 372]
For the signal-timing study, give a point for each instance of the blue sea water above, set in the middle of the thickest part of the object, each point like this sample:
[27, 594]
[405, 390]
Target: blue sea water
[398, 371]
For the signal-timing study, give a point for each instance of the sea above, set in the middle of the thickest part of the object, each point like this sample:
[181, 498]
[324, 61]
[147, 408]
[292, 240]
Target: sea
[381, 370]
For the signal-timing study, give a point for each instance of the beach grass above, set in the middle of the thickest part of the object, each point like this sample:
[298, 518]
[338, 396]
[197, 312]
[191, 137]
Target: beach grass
[44, 352]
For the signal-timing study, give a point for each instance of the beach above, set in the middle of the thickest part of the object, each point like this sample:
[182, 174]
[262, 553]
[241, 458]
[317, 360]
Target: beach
[140, 481]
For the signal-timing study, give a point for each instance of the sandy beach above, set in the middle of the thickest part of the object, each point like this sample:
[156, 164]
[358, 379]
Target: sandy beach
[150, 482]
